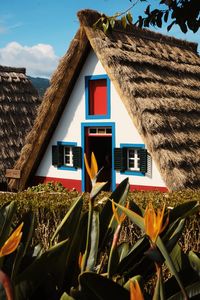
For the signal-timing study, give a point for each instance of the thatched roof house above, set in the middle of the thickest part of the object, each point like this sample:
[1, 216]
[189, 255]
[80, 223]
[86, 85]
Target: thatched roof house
[157, 78]
[18, 106]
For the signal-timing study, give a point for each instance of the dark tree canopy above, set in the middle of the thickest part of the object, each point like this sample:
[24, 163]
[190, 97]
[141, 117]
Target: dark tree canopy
[184, 13]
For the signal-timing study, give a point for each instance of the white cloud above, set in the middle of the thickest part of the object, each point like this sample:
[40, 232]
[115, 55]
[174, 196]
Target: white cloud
[39, 60]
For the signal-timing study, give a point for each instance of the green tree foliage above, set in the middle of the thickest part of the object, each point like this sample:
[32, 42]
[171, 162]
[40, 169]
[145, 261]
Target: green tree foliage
[182, 13]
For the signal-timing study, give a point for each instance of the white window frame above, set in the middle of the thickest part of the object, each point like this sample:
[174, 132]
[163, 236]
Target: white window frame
[68, 155]
[133, 158]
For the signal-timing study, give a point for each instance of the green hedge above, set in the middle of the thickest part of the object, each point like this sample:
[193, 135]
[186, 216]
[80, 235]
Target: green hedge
[50, 208]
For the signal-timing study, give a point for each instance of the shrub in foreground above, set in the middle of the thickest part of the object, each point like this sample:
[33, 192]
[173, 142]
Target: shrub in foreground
[87, 260]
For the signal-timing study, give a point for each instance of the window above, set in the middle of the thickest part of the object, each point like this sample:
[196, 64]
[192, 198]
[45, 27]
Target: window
[100, 131]
[132, 159]
[66, 156]
[97, 91]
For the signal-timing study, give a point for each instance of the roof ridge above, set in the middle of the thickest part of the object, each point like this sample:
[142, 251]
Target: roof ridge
[12, 69]
[88, 17]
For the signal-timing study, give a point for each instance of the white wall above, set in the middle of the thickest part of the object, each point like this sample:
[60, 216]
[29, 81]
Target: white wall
[69, 128]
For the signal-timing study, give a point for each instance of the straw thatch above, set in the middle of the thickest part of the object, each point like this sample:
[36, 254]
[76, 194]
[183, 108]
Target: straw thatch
[157, 78]
[18, 105]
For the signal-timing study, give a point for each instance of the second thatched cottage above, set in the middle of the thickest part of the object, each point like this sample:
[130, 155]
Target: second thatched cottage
[132, 97]
[19, 101]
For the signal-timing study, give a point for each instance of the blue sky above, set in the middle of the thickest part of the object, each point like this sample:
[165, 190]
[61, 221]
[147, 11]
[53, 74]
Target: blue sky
[35, 33]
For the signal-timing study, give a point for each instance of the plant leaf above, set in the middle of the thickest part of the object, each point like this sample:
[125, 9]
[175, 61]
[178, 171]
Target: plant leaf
[112, 22]
[183, 210]
[97, 187]
[50, 262]
[194, 261]
[175, 235]
[107, 222]
[129, 18]
[169, 263]
[94, 242]
[94, 286]
[105, 26]
[69, 222]
[7, 213]
[147, 11]
[7, 293]
[116, 255]
[134, 217]
[127, 284]
[123, 250]
[192, 291]
[124, 22]
[169, 27]
[166, 15]
[136, 262]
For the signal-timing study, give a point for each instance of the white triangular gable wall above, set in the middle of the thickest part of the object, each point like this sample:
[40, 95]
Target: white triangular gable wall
[69, 129]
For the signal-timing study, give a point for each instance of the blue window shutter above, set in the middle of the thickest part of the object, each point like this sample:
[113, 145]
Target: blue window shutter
[143, 160]
[57, 155]
[77, 157]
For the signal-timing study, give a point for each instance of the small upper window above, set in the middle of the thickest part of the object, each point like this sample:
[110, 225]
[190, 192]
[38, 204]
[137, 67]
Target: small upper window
[97, 96]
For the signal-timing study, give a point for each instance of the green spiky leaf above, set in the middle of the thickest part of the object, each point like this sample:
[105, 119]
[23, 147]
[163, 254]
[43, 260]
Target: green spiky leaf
[50, 262]
[94, 286]
[193, 290]
[112, 22]
[107, 221]
[94, 242]
[134, 217]
[194, 261]
[124, 21]
[129, 18]
[69, 222]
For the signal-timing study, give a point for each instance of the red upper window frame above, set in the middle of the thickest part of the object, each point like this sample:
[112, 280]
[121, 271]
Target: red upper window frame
[97, 91]
[98, 97]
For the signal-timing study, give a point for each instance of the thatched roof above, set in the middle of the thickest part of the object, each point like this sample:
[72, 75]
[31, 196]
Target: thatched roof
[157, 78]
[18, 105]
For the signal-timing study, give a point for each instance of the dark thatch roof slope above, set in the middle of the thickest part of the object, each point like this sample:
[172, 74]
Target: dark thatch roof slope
[18, 105]
[157, 78]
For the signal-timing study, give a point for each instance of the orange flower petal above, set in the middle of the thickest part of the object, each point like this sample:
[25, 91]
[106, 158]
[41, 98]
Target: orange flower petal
[135, 291]
[120, 218]
[93, 170]
[12, 242]
[80, 259]
[87, 167]
[94, 166]
[123, 215]
[154, 222]
[114, 209]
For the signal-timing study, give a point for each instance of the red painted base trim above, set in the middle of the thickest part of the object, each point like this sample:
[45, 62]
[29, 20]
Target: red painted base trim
[76, 184]
[67, 183]
[148, 188]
